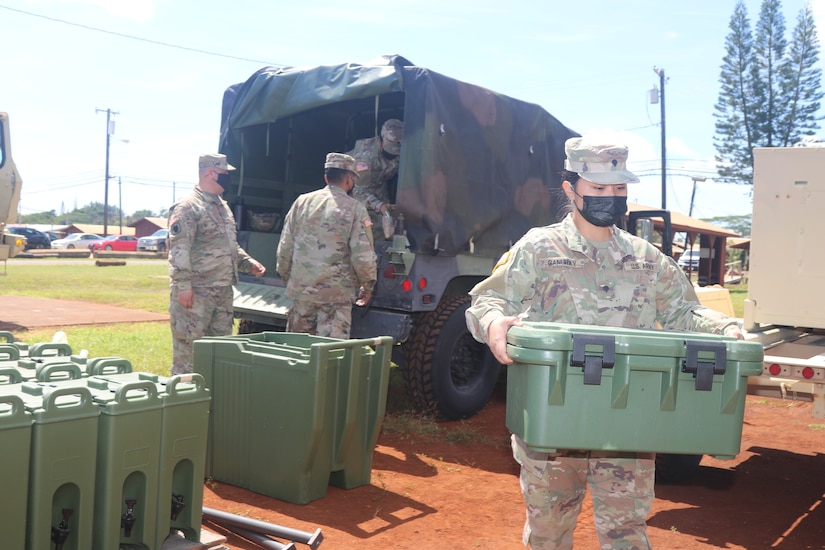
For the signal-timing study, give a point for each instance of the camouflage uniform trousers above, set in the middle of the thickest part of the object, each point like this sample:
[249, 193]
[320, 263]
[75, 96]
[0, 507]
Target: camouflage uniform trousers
[211, 315]
[321, 319]
[621, 488]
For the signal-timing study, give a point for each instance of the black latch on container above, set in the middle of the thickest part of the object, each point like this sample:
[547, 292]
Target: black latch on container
[703, 371]
[593, 364]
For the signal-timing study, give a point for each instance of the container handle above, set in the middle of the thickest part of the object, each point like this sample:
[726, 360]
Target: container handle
[14, 376]
[50, 398]
[9, 352]
[48, 349]
[6, 336]
[108, 365]
[123, 392]
[49, 371]
[192, 378]
[16, 403]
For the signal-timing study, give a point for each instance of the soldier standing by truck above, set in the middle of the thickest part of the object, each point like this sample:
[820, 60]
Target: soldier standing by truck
[585, 270]
[204, 260]
[326, 255]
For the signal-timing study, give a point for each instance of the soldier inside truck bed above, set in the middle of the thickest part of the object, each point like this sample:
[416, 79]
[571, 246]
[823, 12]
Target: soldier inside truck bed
[376, 160]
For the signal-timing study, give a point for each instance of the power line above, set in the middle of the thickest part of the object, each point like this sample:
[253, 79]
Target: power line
[141, 39]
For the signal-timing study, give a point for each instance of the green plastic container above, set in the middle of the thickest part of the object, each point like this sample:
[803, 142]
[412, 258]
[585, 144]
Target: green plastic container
[15, 443]
[62, 466]
[614, 389]
[292, 412]
[185, 423]
[128, 464]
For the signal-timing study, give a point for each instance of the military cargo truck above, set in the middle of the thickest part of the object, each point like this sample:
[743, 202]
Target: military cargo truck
[10, 185]
[477, 170]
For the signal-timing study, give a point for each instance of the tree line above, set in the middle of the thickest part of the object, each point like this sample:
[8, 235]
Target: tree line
[92, 213]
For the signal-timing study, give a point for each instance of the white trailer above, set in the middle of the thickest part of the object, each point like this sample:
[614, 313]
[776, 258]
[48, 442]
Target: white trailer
[785, 308]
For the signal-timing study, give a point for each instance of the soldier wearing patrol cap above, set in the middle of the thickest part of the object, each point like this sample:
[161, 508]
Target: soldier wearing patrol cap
[204, 260]
[585, 270]
[376, 163]
[326, 254]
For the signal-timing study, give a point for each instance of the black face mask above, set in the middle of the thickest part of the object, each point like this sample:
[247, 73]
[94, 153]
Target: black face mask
[603, 211]
[224, 180]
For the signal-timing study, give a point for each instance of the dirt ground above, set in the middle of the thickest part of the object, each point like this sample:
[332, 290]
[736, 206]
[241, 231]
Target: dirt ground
[426, 494]
[466, 495]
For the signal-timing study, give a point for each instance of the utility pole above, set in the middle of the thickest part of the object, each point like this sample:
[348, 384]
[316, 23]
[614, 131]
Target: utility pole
[110, 129]
[120, 205]
[661, 73]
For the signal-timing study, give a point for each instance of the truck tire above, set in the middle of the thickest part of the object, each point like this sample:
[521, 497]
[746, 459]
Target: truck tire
[676, 468]
[447, 371]
[245, 326]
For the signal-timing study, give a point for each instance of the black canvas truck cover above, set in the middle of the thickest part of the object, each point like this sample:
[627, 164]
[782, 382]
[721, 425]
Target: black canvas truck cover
[477, 168]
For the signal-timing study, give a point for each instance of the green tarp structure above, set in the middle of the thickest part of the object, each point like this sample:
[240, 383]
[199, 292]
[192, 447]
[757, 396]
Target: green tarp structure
[477, 168]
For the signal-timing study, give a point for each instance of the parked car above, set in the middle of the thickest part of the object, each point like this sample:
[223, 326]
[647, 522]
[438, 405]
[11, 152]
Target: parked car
[76, 240]
[689, 260]
[122, 243]
[34, 238]
[156, 242]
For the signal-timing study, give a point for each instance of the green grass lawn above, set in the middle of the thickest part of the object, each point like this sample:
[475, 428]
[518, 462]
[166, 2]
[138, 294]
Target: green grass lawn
[148, 346]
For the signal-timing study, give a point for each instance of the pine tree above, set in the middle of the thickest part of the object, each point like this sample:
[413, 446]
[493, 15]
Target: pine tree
[736, 129]
[768, 63]
[770, 90]
[802, 79]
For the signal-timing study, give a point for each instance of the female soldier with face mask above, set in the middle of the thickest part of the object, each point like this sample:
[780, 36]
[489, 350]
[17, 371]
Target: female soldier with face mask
[585, 270]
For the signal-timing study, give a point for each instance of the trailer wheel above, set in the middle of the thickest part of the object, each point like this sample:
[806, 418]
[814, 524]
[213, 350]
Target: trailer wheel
[446, 370]
[676, 468]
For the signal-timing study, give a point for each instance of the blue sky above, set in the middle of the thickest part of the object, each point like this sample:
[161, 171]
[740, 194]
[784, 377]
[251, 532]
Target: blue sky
[590, 64]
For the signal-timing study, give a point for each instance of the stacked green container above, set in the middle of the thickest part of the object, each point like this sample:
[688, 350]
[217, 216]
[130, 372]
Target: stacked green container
[15, 442]
[293, 412]
[128, 466]
[185, 421]
[62, 466]
[606, 388]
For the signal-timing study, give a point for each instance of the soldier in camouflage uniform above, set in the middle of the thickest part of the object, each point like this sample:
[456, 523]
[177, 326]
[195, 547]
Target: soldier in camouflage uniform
[376, 163]
[204, 260]
[585, 270]
[326, 254]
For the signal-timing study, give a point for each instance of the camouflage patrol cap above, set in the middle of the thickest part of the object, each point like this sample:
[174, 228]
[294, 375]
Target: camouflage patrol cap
[341, 161]
[598, 160]
[391, 133]
[211, 160]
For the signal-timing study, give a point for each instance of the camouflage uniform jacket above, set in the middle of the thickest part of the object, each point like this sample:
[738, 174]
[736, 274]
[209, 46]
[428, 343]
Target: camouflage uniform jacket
[203, 246]
[326, 250]
[374, 171]
[553, 274]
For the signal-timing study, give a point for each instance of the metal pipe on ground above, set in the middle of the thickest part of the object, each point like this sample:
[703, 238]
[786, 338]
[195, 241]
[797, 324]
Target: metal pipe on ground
[261, 540]
[313, 540]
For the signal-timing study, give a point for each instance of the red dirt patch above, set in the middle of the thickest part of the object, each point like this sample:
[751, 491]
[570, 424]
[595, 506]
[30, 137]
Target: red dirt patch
[23, 312]
[442, 495]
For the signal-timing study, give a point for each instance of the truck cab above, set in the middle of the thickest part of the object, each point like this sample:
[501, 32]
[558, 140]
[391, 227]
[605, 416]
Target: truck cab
[10, 186]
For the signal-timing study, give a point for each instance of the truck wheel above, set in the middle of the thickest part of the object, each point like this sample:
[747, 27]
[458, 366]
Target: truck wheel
[447, 371]
[245, 326]
[676, 468]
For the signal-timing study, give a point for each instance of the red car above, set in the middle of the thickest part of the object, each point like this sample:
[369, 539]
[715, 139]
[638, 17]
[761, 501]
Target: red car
[122, 243]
